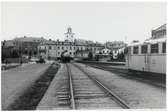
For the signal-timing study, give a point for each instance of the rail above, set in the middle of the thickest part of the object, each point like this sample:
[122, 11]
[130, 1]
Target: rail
[72, 100]
[117, 98]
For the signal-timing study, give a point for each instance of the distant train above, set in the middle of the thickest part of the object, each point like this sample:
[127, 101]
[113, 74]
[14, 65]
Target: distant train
[65, 57]
[149, 56]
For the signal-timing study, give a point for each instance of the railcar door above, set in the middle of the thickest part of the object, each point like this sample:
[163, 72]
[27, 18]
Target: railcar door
[147, 62]
[145, 51]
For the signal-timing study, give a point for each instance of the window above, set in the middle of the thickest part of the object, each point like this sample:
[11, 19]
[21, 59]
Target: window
[62, 48]
[135, 50]
[144, 49]
[164, 47]
[58, 53]
[70, 48]
[74, 48]
[70, 53]
[94, 48]
[154, 48]
[58, 48]
[67, 48]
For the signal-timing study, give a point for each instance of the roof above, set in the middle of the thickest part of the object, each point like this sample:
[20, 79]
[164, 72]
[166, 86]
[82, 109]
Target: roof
[135, 43]
[149, 41]
[155, 40]
[30, 39]
[9, 43]
[48, 42]
[162, 27]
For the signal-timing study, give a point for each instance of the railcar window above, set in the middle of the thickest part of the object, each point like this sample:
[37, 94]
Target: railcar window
[144, 49]
[135, 50]
[164, 47]
[154, 48]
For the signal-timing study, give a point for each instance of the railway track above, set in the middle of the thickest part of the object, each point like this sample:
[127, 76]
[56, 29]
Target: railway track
[87, 92]
[72, 100]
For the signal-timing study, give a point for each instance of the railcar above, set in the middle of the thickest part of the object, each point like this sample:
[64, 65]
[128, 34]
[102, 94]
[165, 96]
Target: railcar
[148, 56]
[65, 57]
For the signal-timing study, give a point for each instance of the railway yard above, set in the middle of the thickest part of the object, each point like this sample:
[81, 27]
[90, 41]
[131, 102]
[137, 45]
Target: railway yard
[77, 86]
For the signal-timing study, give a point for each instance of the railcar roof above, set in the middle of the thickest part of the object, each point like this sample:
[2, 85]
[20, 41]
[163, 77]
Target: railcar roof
[136, 43]
[156, 40]
[150, 41]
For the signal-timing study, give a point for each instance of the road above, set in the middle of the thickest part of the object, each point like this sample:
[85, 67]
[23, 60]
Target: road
[16, 80]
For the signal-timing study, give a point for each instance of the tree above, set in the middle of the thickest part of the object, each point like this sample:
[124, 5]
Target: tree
[90, 56]
[15, 54]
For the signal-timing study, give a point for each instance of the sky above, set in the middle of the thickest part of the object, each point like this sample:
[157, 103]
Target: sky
[97, 21]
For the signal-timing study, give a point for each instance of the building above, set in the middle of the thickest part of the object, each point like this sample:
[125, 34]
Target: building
[104, 51]
[159, 32]
[28, 45]
[115, 45]
[54, 49]
[82, 54]
[8, 49]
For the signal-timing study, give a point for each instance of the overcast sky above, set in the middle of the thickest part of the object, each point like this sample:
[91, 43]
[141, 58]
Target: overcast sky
[97, 21]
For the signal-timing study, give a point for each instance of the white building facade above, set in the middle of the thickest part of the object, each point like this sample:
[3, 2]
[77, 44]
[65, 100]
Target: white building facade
[54, 49]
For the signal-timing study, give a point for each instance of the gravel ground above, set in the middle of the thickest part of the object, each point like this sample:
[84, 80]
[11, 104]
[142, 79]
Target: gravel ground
[135, 93]
[16, 80]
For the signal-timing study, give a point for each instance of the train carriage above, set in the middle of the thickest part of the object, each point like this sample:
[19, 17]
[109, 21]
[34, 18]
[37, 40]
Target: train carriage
[65, 57]
[149, 56]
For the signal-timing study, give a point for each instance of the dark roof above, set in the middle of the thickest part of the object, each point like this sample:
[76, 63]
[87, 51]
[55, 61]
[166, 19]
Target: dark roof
[8, 43]
[30, 39]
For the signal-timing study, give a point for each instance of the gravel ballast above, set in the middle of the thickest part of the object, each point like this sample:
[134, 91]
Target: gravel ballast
[135, 93]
